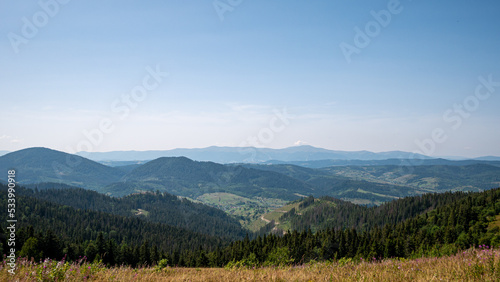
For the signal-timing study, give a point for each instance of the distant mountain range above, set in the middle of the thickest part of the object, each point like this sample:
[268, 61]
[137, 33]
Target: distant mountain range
[250, 154]
[488, 158]
[367, 182]
[304, 155]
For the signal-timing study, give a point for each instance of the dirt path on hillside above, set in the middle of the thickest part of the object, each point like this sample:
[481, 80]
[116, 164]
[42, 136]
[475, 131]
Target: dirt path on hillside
[266, 220]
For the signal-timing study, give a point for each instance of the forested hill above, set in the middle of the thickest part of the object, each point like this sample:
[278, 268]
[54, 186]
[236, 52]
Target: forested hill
[468, 221]
[327, 212]
[35, 165]
[56, 230]
[180, 176]
[376, 184]
[152, 206]
[185, 177]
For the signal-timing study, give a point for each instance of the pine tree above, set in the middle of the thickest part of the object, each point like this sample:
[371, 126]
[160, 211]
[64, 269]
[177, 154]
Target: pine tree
[91, 251]
[31, 249]
[144, 254]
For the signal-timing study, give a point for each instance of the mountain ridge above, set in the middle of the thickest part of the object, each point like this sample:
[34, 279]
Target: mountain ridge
[185, 177]
[181, 176]
[248, 154]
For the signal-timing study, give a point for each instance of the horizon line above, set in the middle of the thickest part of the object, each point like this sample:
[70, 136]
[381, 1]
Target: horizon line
[265, 148]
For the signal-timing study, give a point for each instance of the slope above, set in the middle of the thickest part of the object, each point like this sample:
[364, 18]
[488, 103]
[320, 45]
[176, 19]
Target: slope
[459, 223]
[35, 165]
[436, 178]
[63, 229]
[155, 207]
[325, 183]
[327, 212]
[184, 177]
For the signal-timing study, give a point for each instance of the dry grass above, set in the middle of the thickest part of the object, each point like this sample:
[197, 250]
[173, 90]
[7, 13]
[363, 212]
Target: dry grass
[473, 265]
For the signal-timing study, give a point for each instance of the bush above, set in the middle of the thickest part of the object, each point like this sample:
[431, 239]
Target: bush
[279, 257]
[248, 262]
[161, 265]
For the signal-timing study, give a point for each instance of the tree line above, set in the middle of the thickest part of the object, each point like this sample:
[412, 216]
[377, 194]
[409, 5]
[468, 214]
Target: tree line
[160, 207]
[53, 231]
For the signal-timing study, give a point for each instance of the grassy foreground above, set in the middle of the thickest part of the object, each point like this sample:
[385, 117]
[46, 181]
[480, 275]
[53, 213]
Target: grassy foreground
[481, 264]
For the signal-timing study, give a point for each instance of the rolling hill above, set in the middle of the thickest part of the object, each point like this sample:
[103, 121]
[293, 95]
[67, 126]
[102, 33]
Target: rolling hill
[357, 190]
[35, 165]
[184, 177]
[436, 178]
[327, 212]
[363, 184]
[375, 184]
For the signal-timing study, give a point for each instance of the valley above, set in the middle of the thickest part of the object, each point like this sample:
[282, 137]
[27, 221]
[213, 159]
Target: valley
[260, 184]
[248, 192]
[248, 211]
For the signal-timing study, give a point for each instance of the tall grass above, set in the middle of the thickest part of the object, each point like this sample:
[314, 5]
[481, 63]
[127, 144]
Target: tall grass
[476, 264]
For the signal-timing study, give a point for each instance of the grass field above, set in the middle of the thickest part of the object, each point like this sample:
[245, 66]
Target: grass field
[473, 265]
[247, 210]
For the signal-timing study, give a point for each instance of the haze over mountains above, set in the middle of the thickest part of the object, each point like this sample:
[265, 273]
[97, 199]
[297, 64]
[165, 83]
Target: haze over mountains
[295, 154]
[249, 154]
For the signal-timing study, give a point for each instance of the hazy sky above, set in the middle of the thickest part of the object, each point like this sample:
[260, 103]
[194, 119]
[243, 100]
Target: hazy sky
[420, 76]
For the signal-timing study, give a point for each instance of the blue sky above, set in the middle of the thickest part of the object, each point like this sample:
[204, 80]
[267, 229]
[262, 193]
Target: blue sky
[257, 73]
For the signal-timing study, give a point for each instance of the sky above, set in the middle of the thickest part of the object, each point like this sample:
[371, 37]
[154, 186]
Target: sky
[418, 76]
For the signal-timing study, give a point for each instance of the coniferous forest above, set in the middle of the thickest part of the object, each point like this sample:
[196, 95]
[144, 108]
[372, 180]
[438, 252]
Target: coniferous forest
[54, 225]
